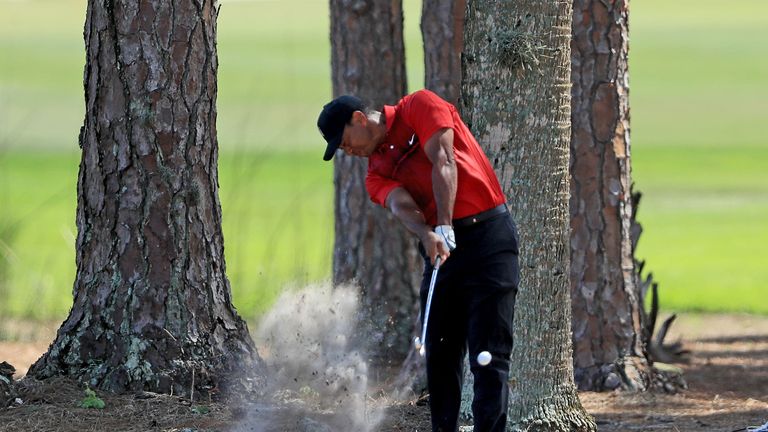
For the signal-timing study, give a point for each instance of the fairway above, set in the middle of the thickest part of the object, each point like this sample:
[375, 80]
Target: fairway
[699, 98]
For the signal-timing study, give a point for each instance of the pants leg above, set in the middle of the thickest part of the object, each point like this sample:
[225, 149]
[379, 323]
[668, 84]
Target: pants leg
[492, 286]
[490, 329]
[472, 306]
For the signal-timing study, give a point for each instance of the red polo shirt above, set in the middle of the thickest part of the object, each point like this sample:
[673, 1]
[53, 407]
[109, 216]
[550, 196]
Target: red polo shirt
[401, 161]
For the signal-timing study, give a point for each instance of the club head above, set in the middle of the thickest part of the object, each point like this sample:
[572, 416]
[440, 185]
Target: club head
[422, 351]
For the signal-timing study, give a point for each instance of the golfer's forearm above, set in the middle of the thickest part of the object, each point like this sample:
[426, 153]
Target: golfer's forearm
[405, 209]
[444, 188]
[439, 149]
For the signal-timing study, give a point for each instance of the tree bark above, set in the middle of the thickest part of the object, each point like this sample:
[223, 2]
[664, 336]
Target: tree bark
[371, 247]
[152, 306]
[516, 99]
[609, 350]
[442, 29]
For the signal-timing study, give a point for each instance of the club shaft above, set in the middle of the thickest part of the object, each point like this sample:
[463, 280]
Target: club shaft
[429, 301]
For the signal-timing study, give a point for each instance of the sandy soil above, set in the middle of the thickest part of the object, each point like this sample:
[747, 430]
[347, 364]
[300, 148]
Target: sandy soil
[727, 391]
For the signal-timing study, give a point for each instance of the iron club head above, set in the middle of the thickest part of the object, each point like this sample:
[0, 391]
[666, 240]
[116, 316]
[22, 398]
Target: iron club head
[419, 346]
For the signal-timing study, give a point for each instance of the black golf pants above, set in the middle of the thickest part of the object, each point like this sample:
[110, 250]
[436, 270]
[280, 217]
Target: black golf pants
[472, 309]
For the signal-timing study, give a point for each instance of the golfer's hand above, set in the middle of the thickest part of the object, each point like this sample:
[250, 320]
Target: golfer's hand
[435, 246]
[447, 235]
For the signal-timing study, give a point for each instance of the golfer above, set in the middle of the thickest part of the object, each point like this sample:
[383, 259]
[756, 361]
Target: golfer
[425, 166]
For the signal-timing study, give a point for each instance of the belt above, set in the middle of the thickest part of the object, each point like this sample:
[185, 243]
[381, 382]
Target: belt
[477, 218]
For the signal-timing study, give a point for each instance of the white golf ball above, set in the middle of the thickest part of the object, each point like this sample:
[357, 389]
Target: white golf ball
[484, 358]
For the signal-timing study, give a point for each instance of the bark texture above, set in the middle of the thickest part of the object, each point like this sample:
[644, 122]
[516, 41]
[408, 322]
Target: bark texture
[371, 247]
[152, 307]
[609, 349]
[442, 29]
[516, 99]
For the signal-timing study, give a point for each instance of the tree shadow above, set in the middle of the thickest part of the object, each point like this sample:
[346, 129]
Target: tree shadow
[736, 421]
[756, 338]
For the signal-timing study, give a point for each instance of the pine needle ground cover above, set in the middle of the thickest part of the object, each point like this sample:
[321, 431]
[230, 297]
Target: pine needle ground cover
[700, 155]
[726, 379]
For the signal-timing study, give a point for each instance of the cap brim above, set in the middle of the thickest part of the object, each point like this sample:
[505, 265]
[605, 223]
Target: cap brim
[333, 145]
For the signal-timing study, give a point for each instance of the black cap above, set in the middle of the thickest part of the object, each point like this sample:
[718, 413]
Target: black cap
[334, 116]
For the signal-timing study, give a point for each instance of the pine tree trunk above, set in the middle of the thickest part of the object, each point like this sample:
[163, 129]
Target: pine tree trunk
[442, 29]
[609, 350]
[516, 99]
[152, 306]
[371, 247]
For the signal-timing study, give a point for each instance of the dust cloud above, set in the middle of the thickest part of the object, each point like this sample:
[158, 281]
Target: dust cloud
[316, 379]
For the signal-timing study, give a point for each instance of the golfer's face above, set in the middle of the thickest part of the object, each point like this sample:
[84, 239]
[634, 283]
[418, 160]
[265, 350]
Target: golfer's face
[357, 139]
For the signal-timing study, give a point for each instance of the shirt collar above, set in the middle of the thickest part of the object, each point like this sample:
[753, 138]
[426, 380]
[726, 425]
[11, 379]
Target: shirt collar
[389, 116]
[389, 120]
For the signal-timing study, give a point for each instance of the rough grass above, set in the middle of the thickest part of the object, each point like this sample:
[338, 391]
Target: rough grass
[698, 73]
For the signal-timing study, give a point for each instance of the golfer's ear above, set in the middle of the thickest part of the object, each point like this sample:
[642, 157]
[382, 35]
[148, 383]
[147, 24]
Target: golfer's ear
[359, 117]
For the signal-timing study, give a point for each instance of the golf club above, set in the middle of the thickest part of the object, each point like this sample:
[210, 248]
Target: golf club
[419, 342]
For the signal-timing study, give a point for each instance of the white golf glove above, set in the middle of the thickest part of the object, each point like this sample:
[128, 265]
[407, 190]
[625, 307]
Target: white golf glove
[446, 234]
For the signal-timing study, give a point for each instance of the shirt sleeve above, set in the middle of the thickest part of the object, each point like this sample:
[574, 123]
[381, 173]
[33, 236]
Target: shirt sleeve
[427, 113]
[379, 187]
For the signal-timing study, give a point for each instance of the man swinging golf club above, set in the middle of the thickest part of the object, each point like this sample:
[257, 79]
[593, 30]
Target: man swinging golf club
[425, 166]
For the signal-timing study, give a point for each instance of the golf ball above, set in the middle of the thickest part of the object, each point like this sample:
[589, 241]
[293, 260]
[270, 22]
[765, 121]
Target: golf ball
[484, 358]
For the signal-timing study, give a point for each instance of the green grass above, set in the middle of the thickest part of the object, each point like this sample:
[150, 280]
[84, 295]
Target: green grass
[707, 270]
[705, 234]
[699, 97]
[278, 223]
[38, 195]
[278, 227]
[699, 72]
[274, 72]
